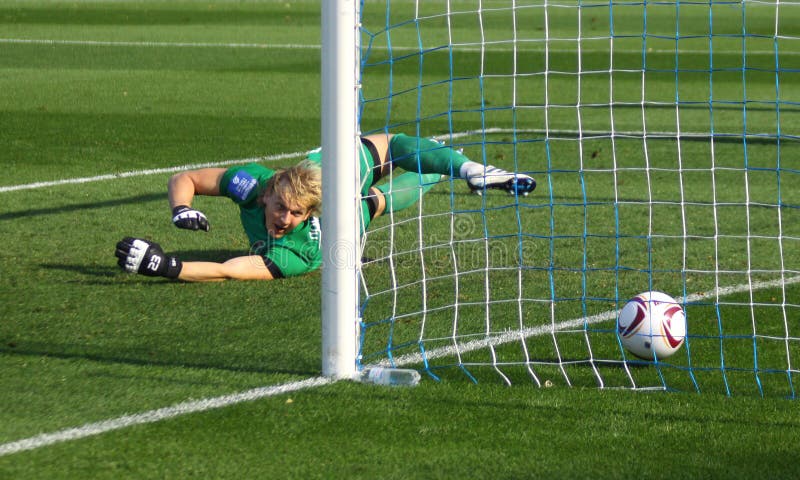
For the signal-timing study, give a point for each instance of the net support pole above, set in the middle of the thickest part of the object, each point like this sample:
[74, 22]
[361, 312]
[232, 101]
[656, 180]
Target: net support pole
[340, 197]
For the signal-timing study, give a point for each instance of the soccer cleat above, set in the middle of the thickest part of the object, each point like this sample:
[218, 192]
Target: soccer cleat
[499, 179]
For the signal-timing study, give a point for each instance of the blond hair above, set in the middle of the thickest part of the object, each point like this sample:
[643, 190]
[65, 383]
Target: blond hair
[301, 184]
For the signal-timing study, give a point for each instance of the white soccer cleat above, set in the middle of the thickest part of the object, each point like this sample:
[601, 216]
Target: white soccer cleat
[499, 179]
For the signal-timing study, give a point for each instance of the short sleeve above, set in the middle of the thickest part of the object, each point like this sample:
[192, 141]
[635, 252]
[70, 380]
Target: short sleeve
[288, 263]
[242, 184]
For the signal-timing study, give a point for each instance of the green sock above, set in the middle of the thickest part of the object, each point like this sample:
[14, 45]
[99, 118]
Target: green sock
[423, 155]
[405, 189]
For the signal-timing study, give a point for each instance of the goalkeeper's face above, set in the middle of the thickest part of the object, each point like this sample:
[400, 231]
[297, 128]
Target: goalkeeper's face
[282, 215]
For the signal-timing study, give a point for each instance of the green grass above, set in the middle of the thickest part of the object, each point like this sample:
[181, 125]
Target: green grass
[81, 342]
[447, 431]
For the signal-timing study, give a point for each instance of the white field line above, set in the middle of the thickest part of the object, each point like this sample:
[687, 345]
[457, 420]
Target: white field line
[112, 43]
[197, 406]
[140, 173]
[179, 409]
[462, 47]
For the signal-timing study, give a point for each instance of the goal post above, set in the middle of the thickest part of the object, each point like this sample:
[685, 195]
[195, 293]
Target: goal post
[340, 231]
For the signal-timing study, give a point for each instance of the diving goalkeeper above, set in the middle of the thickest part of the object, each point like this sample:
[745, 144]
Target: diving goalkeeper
[279, 209]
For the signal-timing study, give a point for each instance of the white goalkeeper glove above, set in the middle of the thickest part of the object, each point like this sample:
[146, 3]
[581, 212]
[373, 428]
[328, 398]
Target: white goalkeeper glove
[146, 258]
[188, 218]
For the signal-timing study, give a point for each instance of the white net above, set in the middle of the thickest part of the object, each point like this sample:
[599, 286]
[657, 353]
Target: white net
[664, 139]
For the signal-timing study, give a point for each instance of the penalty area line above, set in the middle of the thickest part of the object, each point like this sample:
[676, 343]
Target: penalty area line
[152, 416]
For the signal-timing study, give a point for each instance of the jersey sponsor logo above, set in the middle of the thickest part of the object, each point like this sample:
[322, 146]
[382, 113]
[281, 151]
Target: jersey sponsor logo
[241, 185]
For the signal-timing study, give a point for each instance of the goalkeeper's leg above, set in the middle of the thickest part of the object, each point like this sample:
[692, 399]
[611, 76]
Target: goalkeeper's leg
[424, 155]
[402, 192]
[406, 189]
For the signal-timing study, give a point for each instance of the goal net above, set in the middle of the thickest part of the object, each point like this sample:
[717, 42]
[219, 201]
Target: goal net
[664, 140]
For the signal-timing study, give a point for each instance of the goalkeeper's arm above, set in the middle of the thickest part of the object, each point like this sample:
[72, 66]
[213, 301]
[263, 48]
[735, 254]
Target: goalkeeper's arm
[136, 255]
[249, 267]
[182, 188]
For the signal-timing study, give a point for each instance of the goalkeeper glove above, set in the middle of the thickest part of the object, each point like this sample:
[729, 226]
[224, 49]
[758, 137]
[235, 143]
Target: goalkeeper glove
[185, 217]
[146, 258]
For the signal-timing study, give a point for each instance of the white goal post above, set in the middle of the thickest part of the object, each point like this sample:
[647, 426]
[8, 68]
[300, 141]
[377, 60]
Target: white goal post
[340, 232]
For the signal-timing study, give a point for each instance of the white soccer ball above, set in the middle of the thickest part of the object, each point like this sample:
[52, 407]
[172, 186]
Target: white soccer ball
[652, 325]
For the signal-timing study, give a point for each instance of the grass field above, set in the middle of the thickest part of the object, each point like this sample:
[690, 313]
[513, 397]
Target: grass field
[159, 379]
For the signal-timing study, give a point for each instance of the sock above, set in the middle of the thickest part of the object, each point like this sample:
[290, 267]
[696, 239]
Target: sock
[405, 189]
[423, 155]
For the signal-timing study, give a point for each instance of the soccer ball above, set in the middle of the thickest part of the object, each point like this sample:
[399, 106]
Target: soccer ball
[652, 325]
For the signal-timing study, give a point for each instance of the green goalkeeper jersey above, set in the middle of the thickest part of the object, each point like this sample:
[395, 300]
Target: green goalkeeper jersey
[298, 252]
[295, 253]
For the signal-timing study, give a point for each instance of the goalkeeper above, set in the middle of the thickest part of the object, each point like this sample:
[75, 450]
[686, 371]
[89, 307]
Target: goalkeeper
[279, 209]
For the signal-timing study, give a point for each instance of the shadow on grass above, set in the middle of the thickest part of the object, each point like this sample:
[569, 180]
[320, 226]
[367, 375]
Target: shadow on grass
[63, 352]
[61, 209]
[86, 270]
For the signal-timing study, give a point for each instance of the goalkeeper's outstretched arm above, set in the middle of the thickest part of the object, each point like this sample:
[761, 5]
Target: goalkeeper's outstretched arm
[137, 255]
[249, 267]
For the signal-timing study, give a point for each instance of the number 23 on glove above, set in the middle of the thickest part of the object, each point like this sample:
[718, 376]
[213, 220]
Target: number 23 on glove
[136, 255]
